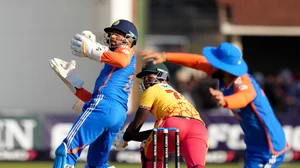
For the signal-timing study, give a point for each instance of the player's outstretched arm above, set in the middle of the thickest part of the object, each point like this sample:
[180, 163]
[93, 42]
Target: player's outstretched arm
[132, 131]
[120, 144]
[141, 136]
[244, 93]
[120, 58]
[194, 61]
[135, 126]
[66, 72]
[84, 45]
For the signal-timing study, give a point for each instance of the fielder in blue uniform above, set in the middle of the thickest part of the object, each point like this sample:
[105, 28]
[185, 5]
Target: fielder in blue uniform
[104, 110]
[264, 136]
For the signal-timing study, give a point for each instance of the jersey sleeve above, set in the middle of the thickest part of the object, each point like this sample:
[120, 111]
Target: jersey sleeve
[120, 58]
[244, 93]
[194, 61]
[147, 98]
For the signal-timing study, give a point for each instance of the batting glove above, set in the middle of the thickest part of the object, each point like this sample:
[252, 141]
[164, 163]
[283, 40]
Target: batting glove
[119, 142]
[83, 46]
[66, 72]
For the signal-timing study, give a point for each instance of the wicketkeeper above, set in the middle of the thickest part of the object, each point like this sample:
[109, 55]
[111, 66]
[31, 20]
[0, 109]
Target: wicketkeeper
[104, 110]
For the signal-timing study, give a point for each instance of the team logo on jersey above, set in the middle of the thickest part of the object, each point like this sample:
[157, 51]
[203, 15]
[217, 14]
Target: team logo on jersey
[116, 23]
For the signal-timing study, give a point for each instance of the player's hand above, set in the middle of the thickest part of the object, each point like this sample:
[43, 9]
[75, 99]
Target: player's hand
[119, 142]
[66, 72]
[82, 46]
[218, 96]
[88, 34]
[157, 57]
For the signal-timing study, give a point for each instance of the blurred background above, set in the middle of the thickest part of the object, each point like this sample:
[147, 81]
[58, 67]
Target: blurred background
[36, 107]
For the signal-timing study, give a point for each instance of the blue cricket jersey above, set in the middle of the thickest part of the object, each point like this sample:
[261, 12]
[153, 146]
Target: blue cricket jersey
[116, 83]
[258, 121]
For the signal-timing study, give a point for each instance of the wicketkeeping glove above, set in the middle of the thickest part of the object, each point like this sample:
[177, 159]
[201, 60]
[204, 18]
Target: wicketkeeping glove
[84, 46]
[66, 72]
[89, 35]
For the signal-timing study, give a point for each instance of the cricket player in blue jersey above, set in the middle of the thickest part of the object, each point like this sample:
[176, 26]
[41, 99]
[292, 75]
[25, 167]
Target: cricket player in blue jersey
[104, 110]
[265, 140]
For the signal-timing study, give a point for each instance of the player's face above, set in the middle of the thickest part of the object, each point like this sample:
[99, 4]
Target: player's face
[149, 80]
[222, 75]
[218, 74]
[117, 38]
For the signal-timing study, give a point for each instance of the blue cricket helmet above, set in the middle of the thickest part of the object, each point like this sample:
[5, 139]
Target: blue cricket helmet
[124, 26]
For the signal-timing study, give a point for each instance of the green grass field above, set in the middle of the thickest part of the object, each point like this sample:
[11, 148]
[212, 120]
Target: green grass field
[118, 165]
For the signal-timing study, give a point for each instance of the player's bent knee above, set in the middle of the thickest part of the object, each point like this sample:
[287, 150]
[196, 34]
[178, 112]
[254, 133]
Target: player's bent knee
[61, 150]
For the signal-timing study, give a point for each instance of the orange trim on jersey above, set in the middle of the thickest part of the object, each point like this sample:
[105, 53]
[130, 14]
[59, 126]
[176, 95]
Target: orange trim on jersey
[267, 134]
[108, 77]
[83, 94]
[194, 61]
[128, 83]
[75, 150]
[120, 58]
[244, 93]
